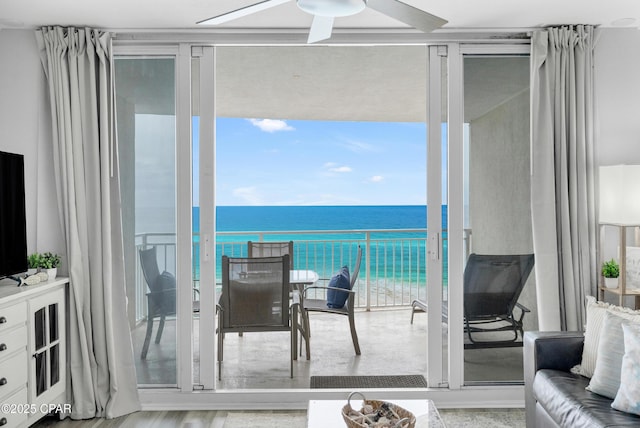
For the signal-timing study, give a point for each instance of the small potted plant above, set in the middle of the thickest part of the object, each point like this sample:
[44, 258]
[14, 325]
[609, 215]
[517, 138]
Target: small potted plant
[611, 272]
[50, 262]
[33, 263]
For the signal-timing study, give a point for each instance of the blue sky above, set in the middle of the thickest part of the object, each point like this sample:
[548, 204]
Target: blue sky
[292, 162]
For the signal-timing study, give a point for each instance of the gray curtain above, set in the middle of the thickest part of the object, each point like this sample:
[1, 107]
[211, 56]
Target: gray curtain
[101, 377]
[562, 182]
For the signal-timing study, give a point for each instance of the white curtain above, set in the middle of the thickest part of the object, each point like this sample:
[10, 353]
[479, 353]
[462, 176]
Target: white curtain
[102, 379]
[562, 182]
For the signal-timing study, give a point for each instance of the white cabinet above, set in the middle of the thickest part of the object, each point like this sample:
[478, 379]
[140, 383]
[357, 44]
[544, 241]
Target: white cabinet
[13, 357]
[32, 351]
[47, 349]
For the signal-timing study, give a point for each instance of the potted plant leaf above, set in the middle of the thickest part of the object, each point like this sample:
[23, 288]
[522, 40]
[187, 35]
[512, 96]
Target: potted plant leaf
[33, 263]
[50, 262]
[611, 272]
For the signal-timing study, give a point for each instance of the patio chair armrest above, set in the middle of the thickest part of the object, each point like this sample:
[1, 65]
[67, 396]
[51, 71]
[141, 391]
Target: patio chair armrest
[165, 292]
[304, 293]
[523, 311]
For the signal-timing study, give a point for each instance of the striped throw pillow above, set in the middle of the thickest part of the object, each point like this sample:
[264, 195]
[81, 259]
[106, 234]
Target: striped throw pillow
[596, 312]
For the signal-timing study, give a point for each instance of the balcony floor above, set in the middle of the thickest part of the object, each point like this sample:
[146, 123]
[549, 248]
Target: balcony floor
[389, 345]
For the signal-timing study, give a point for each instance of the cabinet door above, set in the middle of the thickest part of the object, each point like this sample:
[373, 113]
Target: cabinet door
[47, 348]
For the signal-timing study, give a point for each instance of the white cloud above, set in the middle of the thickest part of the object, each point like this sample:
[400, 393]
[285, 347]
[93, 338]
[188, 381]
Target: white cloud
[248, 195]
[340, 169]
[271, 125]
[335, 168]
[376, 179]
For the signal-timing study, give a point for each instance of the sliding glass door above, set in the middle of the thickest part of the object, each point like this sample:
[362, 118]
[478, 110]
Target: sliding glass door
[146, 108]
[497, 281]
[418, 154]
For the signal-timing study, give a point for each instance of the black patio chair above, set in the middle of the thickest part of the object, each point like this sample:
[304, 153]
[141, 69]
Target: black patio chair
[270, 249]
[161, 298]
[255, 298]
[492, 287]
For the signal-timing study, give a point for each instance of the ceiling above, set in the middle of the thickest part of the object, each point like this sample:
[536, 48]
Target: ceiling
[182, 14]
[335, 83]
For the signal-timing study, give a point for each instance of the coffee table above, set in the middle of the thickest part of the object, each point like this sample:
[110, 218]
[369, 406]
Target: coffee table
[328, 413]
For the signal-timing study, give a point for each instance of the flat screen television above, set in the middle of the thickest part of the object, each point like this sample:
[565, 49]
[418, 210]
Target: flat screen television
[13, 224]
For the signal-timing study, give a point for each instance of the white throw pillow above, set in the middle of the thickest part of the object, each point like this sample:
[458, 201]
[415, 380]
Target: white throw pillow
[628, 397]
[596, 312]
[606, 376]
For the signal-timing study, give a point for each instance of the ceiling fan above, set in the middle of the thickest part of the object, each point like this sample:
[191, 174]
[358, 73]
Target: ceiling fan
[324, 12]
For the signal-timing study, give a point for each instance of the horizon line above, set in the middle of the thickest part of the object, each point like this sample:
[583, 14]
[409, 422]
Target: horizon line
[329, 205]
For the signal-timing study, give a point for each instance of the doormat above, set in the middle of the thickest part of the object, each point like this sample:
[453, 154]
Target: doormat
[356, 382]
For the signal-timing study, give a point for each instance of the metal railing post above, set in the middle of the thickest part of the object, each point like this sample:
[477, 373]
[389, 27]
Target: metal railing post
[367, 265]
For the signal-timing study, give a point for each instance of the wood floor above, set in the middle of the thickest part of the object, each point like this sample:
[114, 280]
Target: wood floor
[187, 419]
[453, 418]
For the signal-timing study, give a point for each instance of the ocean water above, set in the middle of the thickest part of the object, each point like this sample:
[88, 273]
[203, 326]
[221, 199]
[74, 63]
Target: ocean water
[300, 218]
[397, 254]
[241, 218]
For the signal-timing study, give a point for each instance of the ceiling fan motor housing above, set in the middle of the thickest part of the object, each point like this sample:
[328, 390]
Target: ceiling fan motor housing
[332, 8]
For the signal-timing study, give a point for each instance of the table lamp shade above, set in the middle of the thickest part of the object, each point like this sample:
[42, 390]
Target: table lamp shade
[620, 194]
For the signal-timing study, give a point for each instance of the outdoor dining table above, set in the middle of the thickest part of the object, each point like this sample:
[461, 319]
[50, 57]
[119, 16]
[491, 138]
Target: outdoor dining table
[298, 278]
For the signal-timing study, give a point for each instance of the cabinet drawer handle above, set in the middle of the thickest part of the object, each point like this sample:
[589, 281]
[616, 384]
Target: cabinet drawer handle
[3, 347]
[3, 381]
[3, 320]
[3, 421]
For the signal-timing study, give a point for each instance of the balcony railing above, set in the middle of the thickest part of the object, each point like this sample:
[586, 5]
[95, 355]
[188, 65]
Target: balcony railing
[392, 274]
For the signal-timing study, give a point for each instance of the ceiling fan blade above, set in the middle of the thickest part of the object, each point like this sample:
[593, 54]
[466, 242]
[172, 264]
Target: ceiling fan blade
[321, 28]
[244, 11]
[410, 15]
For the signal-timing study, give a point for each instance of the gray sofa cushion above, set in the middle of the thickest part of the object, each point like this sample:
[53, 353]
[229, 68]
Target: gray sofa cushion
[564, 398]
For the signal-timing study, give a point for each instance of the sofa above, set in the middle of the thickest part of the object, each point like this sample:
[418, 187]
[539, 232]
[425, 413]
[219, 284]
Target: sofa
[554, 395]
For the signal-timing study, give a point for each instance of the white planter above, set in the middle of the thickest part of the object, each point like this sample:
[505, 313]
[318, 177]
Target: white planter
[611, 282]
[51, 273]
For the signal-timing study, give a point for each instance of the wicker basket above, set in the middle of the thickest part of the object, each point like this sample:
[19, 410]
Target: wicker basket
[354, 418]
